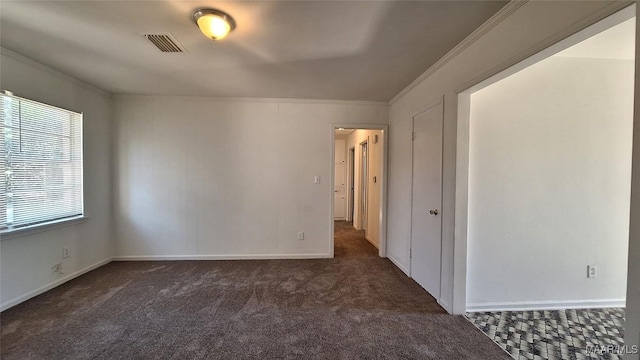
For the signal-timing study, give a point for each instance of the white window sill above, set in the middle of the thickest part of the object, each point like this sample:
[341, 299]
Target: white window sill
[38, 228]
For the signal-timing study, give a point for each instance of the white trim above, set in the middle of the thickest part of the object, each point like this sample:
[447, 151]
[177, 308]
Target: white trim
[384, 210]
[496, 19]
[221, 257]
[351, 178]
[461, 205]
[40, 66]
[584, 34]
[41, 227]
[462, 140]
[428, 108]
[22, 298]
[372, 243]
[444, 305]
[332, 170]
[397, 263]
[546, 305]
[363, 188]
[262, 100]
[609, 9]
[500, 16]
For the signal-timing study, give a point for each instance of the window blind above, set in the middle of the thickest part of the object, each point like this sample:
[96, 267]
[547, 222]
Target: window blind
[41, 163]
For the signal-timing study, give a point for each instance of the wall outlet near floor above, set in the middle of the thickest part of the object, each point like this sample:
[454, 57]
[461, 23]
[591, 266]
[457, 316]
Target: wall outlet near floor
[65, 252]
[56, 269]
[592, 271]
[300, 235]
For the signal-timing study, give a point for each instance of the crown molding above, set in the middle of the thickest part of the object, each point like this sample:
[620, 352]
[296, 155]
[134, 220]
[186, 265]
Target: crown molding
[40, 66]
[255, 99]
[493, 21]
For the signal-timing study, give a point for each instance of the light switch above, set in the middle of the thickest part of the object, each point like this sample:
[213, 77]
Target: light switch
[316, 179]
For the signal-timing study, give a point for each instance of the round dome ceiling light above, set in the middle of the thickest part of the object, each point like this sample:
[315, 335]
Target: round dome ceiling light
[213, 23]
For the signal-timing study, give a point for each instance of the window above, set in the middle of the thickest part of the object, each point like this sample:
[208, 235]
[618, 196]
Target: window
[40, 163]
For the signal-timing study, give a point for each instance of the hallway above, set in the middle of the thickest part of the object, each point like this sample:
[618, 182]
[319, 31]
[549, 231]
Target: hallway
[350, 242]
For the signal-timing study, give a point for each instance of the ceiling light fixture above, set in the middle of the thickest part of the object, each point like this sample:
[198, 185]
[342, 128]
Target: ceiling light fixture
[213, 23]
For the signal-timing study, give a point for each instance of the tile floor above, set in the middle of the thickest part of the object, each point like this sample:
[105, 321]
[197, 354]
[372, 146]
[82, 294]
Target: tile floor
[556, 334]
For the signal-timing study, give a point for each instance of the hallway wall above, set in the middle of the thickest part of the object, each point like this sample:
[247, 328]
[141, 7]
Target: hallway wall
[375, 186]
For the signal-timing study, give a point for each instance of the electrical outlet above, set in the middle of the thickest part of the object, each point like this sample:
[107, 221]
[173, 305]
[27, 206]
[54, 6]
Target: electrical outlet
[592, 271]
[300, 235]
[65, 252]
[57, 268]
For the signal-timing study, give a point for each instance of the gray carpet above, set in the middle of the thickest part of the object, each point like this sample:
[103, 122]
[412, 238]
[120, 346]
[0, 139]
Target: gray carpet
[355, 306]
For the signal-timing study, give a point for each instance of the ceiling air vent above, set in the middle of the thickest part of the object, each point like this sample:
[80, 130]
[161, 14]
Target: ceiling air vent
[165, 42]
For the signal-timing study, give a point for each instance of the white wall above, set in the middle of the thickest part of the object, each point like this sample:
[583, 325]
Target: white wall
[376, 152]
[520, 30]
[549, 185]
[216, 178]
[26, 261]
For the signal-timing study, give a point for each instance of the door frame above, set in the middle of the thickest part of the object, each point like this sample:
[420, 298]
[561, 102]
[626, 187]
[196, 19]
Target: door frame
[461, 216]
[363, 180]
[351, 162]
[382, 213]
[433, 105]
[344, 179]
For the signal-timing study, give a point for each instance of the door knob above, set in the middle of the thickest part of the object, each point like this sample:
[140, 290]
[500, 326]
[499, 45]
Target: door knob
[433, 212]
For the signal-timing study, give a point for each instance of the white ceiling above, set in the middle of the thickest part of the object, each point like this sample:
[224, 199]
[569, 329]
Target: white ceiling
[617, 43]
[345, 50]
[343, 133]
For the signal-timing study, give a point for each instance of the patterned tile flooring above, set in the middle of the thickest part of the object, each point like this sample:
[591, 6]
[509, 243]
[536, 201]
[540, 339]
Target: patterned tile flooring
[556, 334]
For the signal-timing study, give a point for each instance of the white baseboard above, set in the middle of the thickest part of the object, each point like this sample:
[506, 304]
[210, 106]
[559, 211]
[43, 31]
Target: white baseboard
[22, 298]
[372, 242]
[398, 264]
[445, 306]
[220, 257]
[546, 305]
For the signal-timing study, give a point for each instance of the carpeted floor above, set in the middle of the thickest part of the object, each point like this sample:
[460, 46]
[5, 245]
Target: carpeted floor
[355, 306]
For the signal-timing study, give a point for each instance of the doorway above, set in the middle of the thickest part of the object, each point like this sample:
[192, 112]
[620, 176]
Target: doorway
[364, 149]
[544, 171]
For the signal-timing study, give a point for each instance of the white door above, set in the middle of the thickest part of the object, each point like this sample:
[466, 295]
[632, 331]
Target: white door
[340, 179]
[364, 186]
[351, 167]
[426, 223]
[340, 193]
